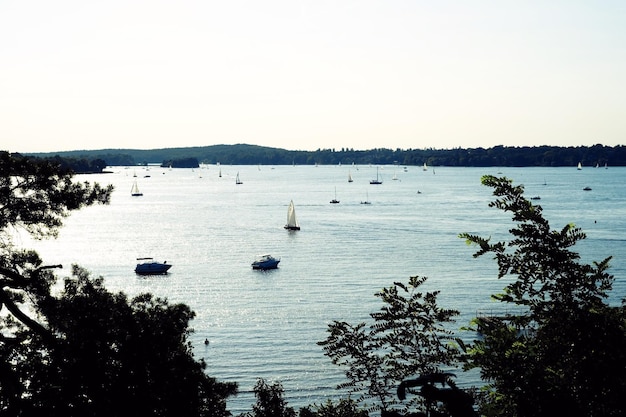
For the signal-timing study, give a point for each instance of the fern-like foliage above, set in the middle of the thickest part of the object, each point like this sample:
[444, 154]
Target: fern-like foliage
[406, 337]
[547, 271]
[563, 354]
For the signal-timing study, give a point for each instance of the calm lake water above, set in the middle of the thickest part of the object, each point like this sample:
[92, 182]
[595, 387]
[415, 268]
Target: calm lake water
[266, 324]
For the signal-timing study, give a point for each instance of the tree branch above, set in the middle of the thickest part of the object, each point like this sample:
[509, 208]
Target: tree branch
[22, 317]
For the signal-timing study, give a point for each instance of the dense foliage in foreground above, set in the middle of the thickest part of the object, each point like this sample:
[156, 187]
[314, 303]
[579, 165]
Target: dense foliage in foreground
[84, 351]
[563, 354]
[571, 359]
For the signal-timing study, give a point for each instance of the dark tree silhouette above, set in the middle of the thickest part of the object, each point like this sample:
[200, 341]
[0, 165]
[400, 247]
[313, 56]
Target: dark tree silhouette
[408, 337]
[565, 352]
[85, 351]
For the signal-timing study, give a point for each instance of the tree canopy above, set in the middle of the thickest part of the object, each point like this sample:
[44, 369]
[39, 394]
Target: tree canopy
[564, 353]
[85, 351]
[408, 336]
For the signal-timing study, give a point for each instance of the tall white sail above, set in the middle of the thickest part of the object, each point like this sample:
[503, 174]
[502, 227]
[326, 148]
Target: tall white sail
[292, 222]
[135, 190]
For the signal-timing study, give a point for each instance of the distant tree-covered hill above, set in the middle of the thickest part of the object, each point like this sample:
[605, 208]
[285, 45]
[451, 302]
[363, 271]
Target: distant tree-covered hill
[243, 154]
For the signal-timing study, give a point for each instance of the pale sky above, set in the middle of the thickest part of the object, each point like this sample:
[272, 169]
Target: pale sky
[309, 74]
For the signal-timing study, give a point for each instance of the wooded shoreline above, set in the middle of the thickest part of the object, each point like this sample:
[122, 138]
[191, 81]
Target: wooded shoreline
[244, 154]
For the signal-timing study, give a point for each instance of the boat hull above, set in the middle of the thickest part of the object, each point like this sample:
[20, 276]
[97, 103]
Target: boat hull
[292, 227]
[152, 268]
[264, 264]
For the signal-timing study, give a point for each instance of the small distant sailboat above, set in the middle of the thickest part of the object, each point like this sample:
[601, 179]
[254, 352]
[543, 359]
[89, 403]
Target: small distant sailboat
[292, 222]
[237, 180]
[395, 176]
[377, 180]
[367, 201]
[134, 191]
[425, 167]
[580, 166]
[349, 177]
[334, 200]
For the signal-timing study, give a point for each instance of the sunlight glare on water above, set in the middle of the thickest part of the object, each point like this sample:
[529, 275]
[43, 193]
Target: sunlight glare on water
[266, 324]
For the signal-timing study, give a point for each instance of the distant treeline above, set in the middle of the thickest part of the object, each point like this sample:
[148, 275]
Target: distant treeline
[80, 165]
[243, 154]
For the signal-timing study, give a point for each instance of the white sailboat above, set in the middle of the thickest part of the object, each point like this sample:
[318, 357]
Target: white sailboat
[334, 200]
[238, 181]
[134, 191]
[580, 166]
[349, 177]
[292, 222]
[425, 167]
